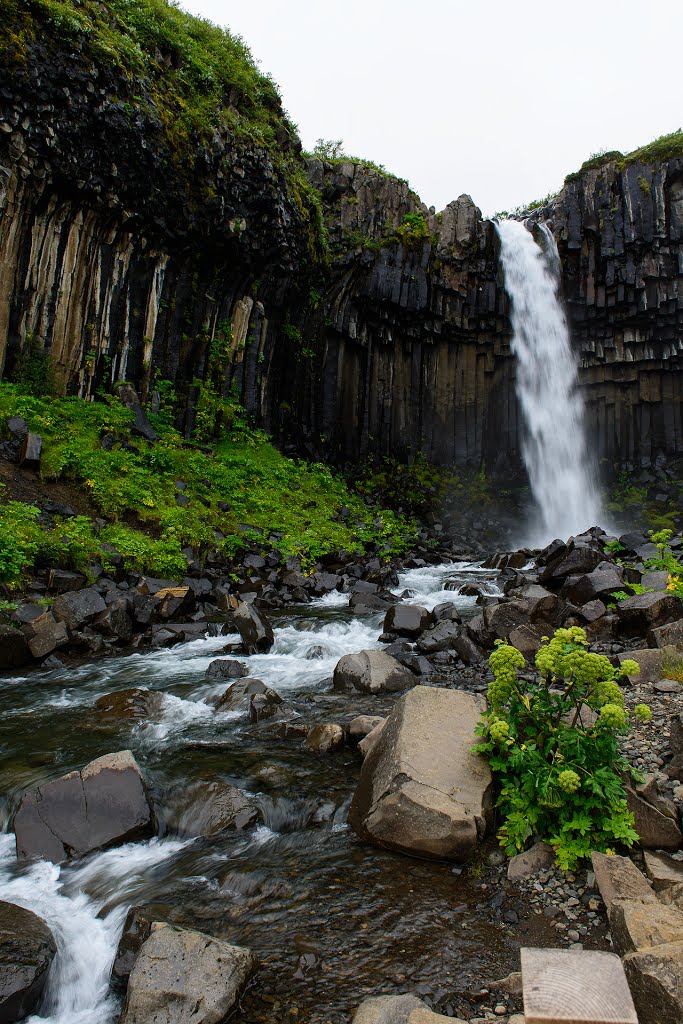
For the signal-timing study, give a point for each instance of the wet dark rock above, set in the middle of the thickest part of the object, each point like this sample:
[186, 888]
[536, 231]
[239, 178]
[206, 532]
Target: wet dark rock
[467, 650]
[181, 975]
[46, 635]
[78, 608]
[315, 652]
[366, 604]
[669, 635]
[226, 668]
[371, 672]
[102, 805]
[576, 560]
[446, 612]
[254, 628]
[17, 426]
[135, 702]
[136, 929]
[140, 425]
[29, 453]
[27, 949]
[114, 621]
[643, 612]
[408, 620]
[14, 650]
[440, 638]
[207, 808]
[267, 704]
[238, 696]
[594, 585]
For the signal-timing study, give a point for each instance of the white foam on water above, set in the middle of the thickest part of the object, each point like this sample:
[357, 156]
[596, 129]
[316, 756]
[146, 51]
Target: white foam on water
[69, 900]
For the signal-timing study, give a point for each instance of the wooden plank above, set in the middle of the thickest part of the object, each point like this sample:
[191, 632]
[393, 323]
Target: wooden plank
[566, 986]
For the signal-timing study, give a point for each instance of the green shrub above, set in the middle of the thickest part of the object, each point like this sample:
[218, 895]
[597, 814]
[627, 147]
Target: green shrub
[559, 773]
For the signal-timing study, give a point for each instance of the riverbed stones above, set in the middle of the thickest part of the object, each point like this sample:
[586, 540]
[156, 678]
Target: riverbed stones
[254, 628]
[27, 948]
[537, 858]
[387, 1009]
[325, 737]
[655, 977]
[14, 650]
[226, 668]
[134, 702]
[408, 620]
[371, 672]
[206, 808]
[663, 871]
[619, 878]
[656, 821]
[46, 636]
[643, 612]
[102, 805]
[185, 977]
[78, 608]
[422, 790]
[441, 638]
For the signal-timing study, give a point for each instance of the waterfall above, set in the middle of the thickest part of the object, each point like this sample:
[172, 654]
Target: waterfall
[555, 454]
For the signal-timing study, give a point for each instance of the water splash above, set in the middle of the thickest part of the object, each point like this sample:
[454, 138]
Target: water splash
[555, 453]
[71, 901]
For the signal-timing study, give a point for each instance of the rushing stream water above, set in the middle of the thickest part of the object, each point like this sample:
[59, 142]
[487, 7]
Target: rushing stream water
[554, 450]
[332, 920]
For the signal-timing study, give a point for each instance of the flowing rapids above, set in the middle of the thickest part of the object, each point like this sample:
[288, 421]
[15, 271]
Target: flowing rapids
[554, 450]
[330, 919]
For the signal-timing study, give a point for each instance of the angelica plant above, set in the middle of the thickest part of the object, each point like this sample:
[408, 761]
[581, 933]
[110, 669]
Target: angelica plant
[552, 742]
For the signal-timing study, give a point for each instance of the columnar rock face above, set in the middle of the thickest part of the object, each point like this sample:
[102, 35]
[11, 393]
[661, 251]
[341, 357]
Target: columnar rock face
[123, 266]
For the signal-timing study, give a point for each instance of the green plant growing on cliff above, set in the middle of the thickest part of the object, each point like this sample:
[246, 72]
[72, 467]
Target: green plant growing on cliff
[553, 746]
[33, 367]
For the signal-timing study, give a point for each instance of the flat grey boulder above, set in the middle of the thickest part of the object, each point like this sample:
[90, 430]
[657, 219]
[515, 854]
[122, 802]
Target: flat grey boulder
[78, 608]
[407, 620]
[371, 672]
[387, 1009]
[185, 977]
[101, 805]
[26, 952]
[422, 790]
[643, 612]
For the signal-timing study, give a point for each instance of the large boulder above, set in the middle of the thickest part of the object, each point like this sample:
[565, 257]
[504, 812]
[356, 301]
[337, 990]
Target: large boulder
[371, 672]
[575, 559]
[643, 612]
[593, 585]
[14, 650]
[78, 608]
[254, 628]
[655, 979]
[226, 668]
[104, 804]
[207, 808]
[422, 790]
[407, 620]
[441, 638]
[135, 702]
[185, 977]
[26, 952]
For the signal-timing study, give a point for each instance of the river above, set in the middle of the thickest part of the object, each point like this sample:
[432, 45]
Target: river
[331, 920]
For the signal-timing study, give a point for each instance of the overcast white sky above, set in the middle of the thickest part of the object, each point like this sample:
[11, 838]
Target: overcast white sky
[497, 99]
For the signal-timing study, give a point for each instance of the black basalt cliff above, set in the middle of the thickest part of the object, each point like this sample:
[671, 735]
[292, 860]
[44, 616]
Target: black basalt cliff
[387, 332]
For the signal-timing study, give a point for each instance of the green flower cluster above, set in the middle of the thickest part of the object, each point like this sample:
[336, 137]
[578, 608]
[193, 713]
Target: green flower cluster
[613, 716]
[568, 781]
[560, 772]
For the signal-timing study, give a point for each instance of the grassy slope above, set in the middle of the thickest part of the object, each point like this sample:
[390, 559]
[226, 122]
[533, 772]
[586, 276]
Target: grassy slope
[297, 508]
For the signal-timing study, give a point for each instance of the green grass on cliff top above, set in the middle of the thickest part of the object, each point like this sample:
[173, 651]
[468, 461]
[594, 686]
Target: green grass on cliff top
[199, 75]
[666, 147]
[295, 507]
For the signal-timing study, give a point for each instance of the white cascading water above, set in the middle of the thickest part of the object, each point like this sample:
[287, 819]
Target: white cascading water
[554, 450]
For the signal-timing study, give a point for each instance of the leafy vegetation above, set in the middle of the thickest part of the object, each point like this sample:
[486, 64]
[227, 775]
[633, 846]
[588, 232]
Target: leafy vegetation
[420, 487]
[332, 150]
[553, 745]
[666, 147]
[159, 498]
[664, 561]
